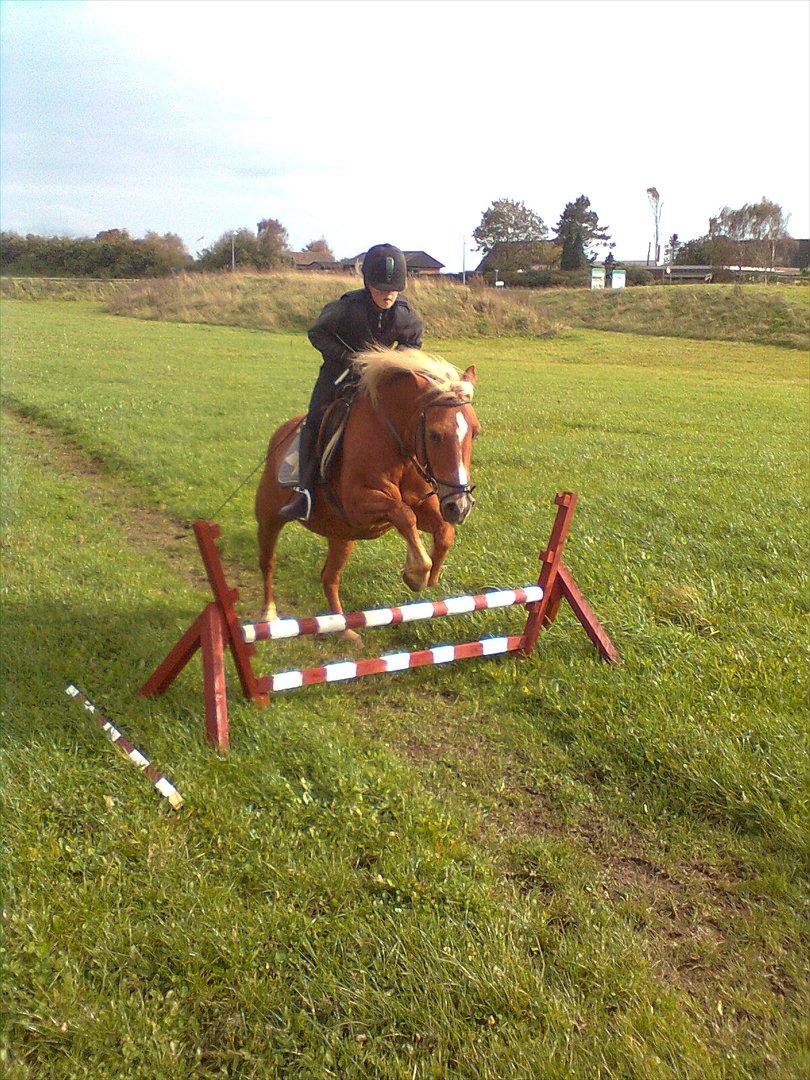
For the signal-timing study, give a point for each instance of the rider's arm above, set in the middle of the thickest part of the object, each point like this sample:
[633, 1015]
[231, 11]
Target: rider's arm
[326, 337]
[409, 328]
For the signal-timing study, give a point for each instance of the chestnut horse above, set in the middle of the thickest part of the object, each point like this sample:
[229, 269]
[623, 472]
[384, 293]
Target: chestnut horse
[404, 464]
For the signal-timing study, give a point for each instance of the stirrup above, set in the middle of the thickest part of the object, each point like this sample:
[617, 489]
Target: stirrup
[298, 508]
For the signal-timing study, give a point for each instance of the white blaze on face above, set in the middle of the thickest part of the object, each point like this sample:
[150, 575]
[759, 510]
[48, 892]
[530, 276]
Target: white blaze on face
[461, 430]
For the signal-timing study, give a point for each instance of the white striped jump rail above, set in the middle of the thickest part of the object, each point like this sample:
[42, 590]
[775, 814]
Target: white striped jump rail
[392, 662]
[391, 616]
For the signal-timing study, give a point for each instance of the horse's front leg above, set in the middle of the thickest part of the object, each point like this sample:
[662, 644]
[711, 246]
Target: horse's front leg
[430, 520]
[416, 572]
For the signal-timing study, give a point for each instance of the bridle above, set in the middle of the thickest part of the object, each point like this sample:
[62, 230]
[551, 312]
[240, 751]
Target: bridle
[442, 489]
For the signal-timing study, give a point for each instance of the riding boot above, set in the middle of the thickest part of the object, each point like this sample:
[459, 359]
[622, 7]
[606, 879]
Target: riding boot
[300, 506]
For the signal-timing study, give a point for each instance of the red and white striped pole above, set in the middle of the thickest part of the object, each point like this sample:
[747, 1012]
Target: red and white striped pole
[344, 670]
[390, 616]
[161, 784]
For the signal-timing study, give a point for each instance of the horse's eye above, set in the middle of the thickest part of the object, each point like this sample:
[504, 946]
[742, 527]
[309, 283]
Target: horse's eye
[435, 437]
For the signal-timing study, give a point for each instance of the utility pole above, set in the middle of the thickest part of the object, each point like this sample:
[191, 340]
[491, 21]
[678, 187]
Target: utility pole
[655, 206]
[233, 254]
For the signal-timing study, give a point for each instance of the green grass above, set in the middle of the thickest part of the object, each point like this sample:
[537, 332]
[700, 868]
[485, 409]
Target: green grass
[46, 288]
[292, 301]
[773, 315]
[542, 868]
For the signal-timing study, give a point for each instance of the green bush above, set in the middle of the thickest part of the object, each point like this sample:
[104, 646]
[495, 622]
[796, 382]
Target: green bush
[547, 278]
[637, 275]
[571, 279]
[110, 254]
[527, 279]
[722, 276]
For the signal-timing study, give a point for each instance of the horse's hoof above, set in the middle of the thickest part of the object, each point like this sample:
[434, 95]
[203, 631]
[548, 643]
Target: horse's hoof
[415, 582]
[269, 614]
[351, 636]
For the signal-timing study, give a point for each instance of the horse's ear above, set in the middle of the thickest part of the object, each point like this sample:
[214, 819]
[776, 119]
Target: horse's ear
[470, 375]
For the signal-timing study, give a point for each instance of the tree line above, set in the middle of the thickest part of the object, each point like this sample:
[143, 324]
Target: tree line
[113, 253]
[751, 235]
[576, 235]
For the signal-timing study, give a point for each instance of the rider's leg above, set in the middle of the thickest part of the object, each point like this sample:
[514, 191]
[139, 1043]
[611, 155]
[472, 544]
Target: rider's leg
[300, 506]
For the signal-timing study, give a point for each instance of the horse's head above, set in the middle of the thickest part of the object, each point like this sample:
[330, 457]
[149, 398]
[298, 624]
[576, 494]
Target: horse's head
[427, 407]
[448, 425]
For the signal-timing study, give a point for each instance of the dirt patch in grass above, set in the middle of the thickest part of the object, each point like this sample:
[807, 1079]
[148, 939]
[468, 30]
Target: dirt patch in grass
[682, 912]
[147, 528]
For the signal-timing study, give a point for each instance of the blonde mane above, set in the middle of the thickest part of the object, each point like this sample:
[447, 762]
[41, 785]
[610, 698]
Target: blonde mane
[378, 366]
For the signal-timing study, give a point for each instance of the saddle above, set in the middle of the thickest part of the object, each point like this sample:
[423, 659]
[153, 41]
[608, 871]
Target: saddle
[330, 437]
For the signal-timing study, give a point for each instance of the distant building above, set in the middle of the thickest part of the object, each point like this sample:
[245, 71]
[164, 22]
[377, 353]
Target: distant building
[796, 253]
[678, 274]
[309, 260]
[419, 263]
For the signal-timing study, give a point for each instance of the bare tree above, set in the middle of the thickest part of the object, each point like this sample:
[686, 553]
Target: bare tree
[321, 249]
[755, 230]
[768, 226]
[735, 226]
[656, 206]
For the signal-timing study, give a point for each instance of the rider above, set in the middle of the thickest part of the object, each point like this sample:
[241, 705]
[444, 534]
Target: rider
[375, 315]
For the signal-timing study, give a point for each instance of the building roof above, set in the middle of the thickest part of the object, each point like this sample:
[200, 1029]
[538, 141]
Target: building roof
[414, 260]
[420, 260]
[307, 258]
[507, 254]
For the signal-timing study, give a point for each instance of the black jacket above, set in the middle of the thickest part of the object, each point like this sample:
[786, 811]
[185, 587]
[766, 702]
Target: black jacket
[355, 323]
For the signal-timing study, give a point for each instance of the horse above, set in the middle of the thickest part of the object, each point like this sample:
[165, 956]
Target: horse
[404, 463]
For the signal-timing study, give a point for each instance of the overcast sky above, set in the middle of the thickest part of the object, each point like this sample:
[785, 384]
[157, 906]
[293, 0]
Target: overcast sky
[381, 120]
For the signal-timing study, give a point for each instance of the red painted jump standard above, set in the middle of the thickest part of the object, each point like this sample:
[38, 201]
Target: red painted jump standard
[218, 626]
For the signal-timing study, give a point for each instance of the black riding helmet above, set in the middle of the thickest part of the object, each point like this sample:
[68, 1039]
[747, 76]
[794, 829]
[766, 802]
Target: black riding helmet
[384, 268]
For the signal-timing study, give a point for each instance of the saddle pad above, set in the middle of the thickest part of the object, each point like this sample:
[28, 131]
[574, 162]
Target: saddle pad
[288, 470]
[329, 439]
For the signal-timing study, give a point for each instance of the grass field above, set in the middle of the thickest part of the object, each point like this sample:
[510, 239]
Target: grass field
[768, 314]
[542, 868]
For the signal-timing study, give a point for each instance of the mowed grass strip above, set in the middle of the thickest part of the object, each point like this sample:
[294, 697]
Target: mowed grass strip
[666, 796]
